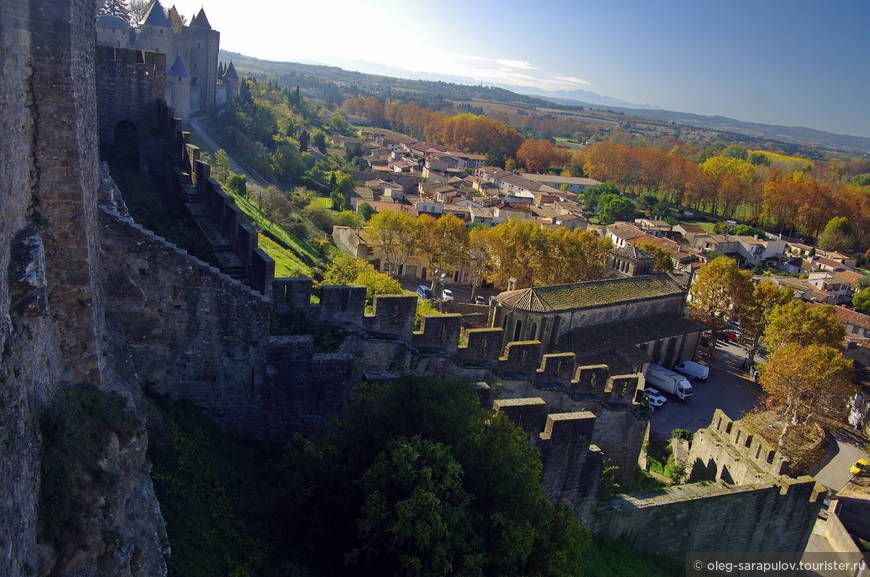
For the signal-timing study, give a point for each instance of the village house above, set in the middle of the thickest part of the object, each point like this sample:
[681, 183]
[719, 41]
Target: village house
[830, 287]
[621, 233]
[654, 227]
[751, 250]
[688, 232]
[682, 256]
[574, 184]
[721, 243]
[856, 323]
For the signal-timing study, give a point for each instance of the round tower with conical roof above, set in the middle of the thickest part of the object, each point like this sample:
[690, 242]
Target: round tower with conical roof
[178, 88]
[231, 80]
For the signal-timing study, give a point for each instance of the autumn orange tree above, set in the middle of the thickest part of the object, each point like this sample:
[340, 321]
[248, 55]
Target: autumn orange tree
[513, 247]
[394, 234]
[475, 134]
[718, 292]
[663, 261]
[531, 255]
[755, 312]
[813, 382]
[538, 155]
[799, 322]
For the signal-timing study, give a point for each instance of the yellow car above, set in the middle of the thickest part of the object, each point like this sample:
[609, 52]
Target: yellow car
[860, 466]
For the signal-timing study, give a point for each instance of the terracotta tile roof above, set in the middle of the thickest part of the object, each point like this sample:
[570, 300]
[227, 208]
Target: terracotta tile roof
[590, 294]
[625, 231]
[854, 318]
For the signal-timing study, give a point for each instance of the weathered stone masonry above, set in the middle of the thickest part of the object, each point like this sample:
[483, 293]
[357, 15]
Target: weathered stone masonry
[52, 330]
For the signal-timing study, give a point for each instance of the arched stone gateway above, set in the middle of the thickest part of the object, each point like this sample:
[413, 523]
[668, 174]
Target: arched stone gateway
[126, 149]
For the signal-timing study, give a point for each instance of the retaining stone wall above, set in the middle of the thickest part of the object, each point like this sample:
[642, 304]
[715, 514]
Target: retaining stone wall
[714, 517]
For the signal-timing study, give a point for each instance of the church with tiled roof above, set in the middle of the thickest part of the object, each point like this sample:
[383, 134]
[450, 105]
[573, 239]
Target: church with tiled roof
[623, 322]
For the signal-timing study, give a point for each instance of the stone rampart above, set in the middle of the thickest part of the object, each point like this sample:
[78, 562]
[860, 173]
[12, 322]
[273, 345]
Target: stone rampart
[571, 463]
[193, 332]
[726, 450]
[763, 517]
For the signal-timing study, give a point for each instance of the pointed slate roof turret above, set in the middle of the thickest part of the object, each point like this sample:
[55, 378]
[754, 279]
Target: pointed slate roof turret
[175, 20]
[178, 68]
[231, 71]
[156, 16]
[200, 20]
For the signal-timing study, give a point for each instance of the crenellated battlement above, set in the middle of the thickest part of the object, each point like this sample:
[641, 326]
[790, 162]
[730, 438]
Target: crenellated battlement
[728, 451]
[572, 464]
[750, 446]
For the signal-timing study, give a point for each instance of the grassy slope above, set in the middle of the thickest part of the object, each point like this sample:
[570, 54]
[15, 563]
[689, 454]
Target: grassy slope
[295, 254]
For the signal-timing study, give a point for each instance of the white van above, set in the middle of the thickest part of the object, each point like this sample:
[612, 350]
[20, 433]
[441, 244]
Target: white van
[693, 370]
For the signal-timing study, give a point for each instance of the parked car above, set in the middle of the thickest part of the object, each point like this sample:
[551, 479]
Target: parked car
[732, 336]
[860, 466]
[425, 292]
[447, 295]
[480, 300]
[654, 398]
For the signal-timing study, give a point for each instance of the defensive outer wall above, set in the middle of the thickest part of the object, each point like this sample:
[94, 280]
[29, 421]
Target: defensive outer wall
[745, 502]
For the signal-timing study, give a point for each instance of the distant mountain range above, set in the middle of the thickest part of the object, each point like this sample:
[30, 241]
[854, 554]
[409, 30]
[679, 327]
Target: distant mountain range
[457, 88]
[792, 134]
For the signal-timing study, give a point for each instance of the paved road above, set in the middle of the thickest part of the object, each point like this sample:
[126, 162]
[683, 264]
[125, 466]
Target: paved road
[728, 388]
[198, 124]
[833, 471]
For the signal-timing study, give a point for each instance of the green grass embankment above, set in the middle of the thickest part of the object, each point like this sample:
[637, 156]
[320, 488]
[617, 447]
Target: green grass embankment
[292, 255]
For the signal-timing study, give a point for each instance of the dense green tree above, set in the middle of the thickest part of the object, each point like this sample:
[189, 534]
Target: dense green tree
[444, 488]
[415, 519]
[318, 139]
[220, 166]
[861, 299]
[320, 216]
[238, 184]
[592, 194]
[615, 208]
[837, 236]
[366, 211]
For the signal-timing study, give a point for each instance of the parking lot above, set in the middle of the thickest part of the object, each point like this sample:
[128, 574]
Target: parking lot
[728, 388]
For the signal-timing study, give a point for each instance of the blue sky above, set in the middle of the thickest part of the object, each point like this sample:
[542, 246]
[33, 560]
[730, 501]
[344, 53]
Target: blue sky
[795, 63]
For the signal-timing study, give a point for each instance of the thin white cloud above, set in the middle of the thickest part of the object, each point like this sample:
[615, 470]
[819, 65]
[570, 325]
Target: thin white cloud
[490, 70]
[573, 80]
[521, 64]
